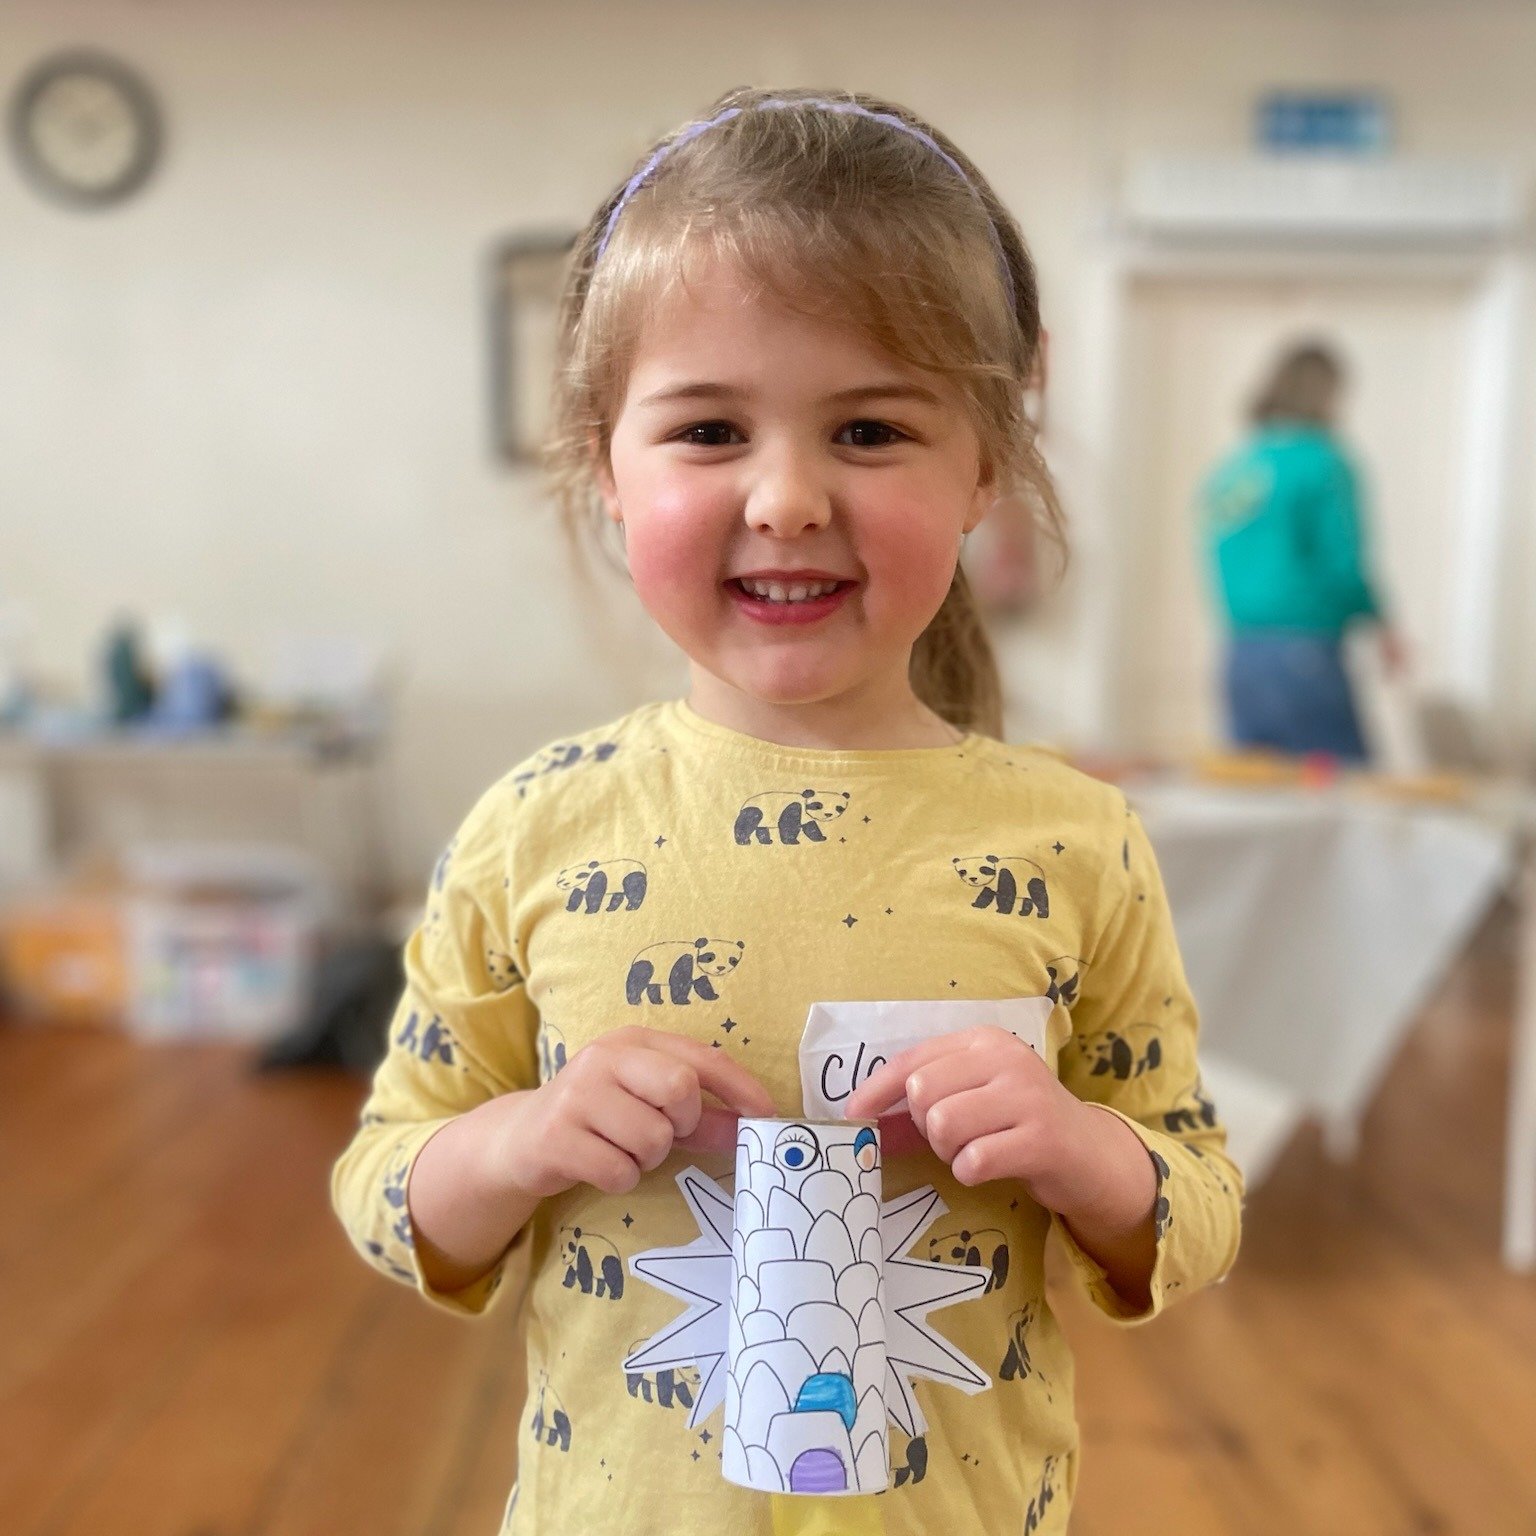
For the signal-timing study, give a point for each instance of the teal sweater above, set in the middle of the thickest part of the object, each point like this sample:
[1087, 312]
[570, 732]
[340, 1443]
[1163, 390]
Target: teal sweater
[1281, 524]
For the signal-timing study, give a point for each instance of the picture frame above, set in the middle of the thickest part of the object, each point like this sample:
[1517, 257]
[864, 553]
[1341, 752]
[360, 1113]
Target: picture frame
[525, 275]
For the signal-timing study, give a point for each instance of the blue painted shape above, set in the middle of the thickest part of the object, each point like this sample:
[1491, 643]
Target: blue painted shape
[829, 1391]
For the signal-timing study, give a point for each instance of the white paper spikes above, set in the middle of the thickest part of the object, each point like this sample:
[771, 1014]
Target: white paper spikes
[806, 1316]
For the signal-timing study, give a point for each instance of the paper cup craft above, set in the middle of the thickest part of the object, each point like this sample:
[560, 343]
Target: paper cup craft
[806, 1317]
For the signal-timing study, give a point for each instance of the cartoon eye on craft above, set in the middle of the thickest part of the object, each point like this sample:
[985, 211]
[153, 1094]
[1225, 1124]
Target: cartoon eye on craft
[796, 1149]
[807, 1315]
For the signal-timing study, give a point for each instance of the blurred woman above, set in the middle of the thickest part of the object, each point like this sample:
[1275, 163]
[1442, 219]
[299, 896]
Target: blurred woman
[1285, 538]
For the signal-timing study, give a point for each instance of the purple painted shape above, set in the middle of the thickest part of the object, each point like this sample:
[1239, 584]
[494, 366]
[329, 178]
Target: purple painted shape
[819, 1471]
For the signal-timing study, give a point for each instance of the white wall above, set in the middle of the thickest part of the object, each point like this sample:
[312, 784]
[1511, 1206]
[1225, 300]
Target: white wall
[254, 395]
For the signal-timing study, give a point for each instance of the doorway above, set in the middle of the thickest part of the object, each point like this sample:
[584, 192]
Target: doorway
[1194, 349]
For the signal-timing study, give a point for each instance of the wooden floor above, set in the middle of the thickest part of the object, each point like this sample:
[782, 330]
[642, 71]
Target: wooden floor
[188, 1348]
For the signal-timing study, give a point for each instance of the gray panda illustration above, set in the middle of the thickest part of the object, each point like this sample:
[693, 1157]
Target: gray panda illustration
[795, 813]
[432, 1042]
[1123, 1054]
[550, 1424]
[440, 870]
[562, 755]
[502, 970]
[577, 1251]
[389, 1265]
[671, 1386]
[915, 1468]
[1191, 1110]
[621, 882]
[550, 1044]
[1064, 978]
[1162, 1212]
[687, 966]
[1016, 1362]
[1007, 882]
[394, 1191]
[1034, 1511]
[986, 1248]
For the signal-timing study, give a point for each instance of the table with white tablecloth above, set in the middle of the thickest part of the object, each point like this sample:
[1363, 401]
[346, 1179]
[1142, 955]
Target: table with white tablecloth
[1315, 924]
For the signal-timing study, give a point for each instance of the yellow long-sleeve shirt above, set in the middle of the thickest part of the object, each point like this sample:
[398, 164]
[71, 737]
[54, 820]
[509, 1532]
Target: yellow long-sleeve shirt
[667, 871]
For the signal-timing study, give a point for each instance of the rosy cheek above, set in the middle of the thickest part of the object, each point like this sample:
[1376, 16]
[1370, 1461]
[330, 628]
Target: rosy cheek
[676, 543]
[912, 573]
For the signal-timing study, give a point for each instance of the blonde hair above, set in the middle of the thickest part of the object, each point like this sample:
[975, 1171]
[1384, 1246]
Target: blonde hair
[1301, 386]
[837, 214]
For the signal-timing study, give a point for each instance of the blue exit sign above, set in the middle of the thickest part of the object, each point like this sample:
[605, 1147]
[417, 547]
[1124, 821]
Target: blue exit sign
[1351, 122]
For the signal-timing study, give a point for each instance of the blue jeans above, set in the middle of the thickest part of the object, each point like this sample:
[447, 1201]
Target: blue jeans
[1289, 692]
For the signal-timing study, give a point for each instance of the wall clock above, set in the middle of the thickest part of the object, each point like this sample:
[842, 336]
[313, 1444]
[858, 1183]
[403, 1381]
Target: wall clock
[85, 129]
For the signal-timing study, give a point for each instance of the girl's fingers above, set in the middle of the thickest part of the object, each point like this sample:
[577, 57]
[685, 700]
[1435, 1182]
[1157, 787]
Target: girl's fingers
[636, 1128]
[990, 1157]
[661, 1080]
[596, 1161]
[886, 1086]
[882, 1090]
[969, 1116]
[727, 1080]
[936, 1081]
[715, 1133]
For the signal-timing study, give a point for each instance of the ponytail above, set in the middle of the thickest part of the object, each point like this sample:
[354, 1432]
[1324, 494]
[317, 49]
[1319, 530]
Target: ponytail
[954, 671]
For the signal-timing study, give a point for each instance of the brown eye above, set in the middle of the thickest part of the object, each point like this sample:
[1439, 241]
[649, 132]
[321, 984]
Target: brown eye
[869, 434]
[709, 434]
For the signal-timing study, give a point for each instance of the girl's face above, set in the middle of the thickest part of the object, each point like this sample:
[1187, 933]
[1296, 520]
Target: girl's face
[793, 501]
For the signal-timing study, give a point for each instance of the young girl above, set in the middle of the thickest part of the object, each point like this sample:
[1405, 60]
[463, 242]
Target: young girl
[795, 345]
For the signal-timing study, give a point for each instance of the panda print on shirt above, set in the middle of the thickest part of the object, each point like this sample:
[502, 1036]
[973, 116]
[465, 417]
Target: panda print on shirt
[1017, 1365]
[593, 1265]
[666, 1386]
[914, 1466]
[986, 1248]
[1123, 1054]
[603, 885]
[501, 970]
[429, 1039]
[550, 1425]
[1064, 979]
[1192, 1110]
[560, 756]
[550, 1047]
[1034, 1512]
[687, 967]
[1006, 884]
[792, 814]
[440, 869]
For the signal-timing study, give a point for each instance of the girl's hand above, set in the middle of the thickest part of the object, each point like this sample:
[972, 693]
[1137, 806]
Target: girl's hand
[992, 1109]
[619, 1106]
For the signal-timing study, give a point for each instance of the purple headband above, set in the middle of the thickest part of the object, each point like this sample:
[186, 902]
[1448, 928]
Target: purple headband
[851, 109]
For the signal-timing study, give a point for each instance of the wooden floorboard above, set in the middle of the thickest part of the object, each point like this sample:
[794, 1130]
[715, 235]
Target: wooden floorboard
[189, 1347]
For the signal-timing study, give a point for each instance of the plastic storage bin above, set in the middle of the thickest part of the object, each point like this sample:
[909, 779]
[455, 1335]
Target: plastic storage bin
[221, 941]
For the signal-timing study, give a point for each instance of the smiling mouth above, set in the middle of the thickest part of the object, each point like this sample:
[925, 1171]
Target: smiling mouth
[787, 592]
